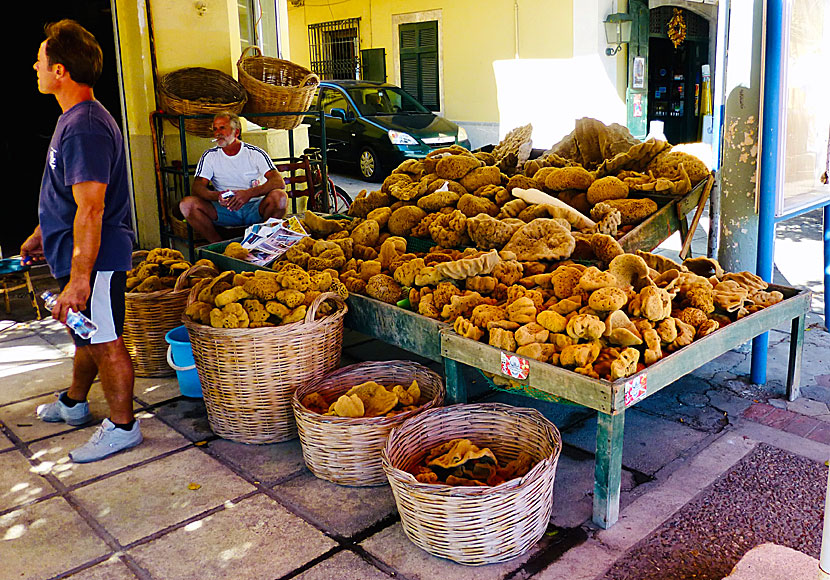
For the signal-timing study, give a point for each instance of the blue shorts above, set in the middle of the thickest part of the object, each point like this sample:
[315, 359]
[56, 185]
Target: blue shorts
[246, 215]
[105, 306]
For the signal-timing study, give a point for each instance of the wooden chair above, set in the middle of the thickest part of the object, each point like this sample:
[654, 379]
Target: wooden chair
[14, 276]
[295, 179]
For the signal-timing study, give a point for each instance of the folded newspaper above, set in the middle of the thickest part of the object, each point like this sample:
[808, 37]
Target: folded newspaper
[268, 241]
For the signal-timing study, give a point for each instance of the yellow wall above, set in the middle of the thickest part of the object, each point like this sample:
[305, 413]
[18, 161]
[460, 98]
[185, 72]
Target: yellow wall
[474, 33]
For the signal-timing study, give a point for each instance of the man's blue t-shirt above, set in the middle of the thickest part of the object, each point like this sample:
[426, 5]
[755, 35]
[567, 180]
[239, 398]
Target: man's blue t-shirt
[86, 146]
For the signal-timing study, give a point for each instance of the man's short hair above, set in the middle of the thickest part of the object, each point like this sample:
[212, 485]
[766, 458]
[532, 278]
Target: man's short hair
[70, 44]
[233, 120]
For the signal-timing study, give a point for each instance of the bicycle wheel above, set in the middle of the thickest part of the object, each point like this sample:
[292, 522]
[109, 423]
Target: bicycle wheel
[338, 200]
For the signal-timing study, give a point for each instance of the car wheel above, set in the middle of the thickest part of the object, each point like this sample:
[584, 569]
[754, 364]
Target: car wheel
[369, 165]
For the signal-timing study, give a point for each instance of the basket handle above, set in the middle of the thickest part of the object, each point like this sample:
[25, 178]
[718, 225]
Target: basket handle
[245, 52]
[173, 365]
[311, 313]
[310, 77]
[193, 270]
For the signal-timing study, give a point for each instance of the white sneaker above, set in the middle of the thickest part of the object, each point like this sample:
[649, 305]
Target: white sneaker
[106, 440]
[57, 412]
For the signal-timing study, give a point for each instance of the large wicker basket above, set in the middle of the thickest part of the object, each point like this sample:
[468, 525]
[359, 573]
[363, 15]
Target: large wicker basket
[200, 91]
[275, 86]
[475, 525]
[149, 316]
[249, 375]
[345, 450]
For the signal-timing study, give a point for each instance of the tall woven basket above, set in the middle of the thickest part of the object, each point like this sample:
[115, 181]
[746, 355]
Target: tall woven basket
[149, 316]
[275, 86]
[475, 525]
[344, 450]
[249, 375]
[200, 91]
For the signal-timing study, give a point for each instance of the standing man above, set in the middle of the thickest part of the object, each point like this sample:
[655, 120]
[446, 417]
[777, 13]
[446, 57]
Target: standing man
[85, 235]
[253, 189]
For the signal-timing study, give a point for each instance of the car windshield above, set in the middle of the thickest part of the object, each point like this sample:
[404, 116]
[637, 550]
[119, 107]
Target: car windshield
[385, 101]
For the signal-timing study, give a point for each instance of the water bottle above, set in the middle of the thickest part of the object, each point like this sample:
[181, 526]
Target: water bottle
[80, 324]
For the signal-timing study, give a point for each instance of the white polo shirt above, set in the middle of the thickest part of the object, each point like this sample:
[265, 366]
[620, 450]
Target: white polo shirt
[245, 169]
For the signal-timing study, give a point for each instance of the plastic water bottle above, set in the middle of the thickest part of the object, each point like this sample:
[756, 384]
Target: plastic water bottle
[80, 324]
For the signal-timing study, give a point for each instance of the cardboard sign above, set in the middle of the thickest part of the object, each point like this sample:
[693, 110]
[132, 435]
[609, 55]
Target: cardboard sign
[635, 389]
[514, 366]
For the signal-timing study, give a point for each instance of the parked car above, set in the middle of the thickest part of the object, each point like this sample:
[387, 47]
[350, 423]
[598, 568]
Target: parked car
[376, 126]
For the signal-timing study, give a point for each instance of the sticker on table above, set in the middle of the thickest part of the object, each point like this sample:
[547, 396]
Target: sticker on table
[514, 366]
[635, 389]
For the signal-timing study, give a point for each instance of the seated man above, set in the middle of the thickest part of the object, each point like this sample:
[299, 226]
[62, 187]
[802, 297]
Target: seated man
[247, 189]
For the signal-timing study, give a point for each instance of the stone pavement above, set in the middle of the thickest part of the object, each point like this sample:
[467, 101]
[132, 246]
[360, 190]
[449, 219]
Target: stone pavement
[187, 504]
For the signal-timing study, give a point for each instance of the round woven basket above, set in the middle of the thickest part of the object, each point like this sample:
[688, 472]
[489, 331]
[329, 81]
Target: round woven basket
[249, 375]
[475, 525]
[149, 316]
[275, 86]
[200, 91]
[346, 450]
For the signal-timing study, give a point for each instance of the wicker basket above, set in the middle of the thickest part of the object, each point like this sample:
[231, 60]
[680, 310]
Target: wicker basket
[275, 86]
[475, 525]
[249, 375]
[345, 450]
[149, 316]
[200, 91]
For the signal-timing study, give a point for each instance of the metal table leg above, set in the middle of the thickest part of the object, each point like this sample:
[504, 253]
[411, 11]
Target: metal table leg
[794, 365]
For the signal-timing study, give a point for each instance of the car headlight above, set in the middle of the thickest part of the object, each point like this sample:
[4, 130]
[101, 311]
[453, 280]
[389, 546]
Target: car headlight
[399, 138]
[462, 134]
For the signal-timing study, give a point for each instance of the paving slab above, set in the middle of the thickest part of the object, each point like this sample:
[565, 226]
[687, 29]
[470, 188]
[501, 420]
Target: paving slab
[152, 391]
[642, 450]
[28, 349]
[187, 416]
[345, 565]
[53, 453]
[253, 539]
[18, 482]
[337, 509]
[267, 464]
[774, 562]
[43, 539]
[48, 328]
[573, 490]
[111, 569]
[152, 497]
[5, 443]
[22, 381]
[21, 418]
[394, 549]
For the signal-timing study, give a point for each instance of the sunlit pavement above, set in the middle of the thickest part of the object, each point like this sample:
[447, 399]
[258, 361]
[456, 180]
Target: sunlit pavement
[187, 504]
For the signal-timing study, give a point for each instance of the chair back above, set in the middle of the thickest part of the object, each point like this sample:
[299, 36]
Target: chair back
[295, 179]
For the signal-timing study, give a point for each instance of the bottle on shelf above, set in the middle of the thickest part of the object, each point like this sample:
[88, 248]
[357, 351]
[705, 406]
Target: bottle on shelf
[80, 324]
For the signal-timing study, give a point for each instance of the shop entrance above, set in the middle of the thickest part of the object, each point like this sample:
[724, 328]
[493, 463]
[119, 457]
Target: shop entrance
[675, 75]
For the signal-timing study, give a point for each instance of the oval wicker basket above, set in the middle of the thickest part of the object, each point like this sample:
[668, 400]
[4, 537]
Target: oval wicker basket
[475, 525]
[200, 91]
[275, 86]
[149, 316]
[249, 375]
[346, 450]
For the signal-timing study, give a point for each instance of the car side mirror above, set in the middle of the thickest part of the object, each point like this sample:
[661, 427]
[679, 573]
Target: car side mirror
[339, 113]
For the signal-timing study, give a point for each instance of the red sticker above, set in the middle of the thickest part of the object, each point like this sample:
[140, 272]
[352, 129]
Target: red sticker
[635, 389]
[514, 366]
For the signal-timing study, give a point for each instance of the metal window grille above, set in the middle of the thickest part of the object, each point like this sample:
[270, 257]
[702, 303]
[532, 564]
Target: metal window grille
[335, 49]
[697, 27]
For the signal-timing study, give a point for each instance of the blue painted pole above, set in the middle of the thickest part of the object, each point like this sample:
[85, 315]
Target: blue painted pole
[770, 155]
[827, 266]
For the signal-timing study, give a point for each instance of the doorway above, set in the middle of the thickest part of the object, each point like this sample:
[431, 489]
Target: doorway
[24, 147]
[675, 77]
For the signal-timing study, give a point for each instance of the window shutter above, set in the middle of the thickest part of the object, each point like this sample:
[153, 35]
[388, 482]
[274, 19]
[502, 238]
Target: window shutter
[419, 62]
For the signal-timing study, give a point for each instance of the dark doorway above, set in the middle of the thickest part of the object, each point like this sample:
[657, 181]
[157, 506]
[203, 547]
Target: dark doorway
[675, 75]
[24, 148]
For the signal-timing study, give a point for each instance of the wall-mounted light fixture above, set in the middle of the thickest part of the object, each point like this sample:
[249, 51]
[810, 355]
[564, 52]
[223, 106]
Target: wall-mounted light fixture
[617, 31]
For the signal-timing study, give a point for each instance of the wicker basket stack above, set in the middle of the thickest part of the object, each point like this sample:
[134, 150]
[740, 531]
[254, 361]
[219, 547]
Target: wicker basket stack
[200, 91]
[466, 524]
[344, 450]
[249, 375]
[149, 316]
[275, 86]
